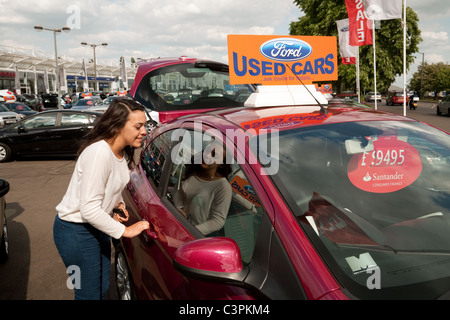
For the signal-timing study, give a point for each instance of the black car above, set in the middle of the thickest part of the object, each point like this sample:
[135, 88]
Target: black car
[31, 100]
[48, 133]
[4, 189]
[49, 101]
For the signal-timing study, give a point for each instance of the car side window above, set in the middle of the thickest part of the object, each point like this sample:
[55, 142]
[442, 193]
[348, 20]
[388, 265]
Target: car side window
[154, 157]
[244, 216]
[40, 121]
[72, 119]
[244, 213]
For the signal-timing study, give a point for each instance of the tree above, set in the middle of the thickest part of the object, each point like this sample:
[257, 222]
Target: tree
[436, 78]
[320, 20]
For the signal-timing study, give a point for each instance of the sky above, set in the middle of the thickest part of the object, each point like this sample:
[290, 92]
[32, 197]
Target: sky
[169, 28]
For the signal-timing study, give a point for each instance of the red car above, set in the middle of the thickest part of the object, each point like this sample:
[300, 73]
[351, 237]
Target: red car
[327, 202]
[396, 98]
[172, 87]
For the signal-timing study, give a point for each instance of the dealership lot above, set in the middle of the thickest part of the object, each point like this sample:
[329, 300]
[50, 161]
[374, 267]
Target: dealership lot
[34, 270]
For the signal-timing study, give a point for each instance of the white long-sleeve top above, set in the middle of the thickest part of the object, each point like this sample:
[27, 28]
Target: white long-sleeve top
[95, 189]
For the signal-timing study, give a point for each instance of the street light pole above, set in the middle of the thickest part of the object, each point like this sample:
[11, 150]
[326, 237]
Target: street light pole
[104, 44]
[421, 76]
[55, 31]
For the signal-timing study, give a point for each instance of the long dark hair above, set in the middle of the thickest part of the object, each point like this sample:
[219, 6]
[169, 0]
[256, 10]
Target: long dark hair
[110, 123]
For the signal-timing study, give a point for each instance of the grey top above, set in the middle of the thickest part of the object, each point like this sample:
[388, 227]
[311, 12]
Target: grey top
[206, 202]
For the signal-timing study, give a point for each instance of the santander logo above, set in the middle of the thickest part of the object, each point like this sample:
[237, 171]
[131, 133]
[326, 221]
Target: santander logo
[285, 49]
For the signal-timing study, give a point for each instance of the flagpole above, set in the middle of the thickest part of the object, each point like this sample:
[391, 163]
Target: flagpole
[374, 64]
[404, 57]
[358, 85]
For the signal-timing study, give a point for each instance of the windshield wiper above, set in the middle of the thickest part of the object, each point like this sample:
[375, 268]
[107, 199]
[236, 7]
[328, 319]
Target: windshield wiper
[386, 248]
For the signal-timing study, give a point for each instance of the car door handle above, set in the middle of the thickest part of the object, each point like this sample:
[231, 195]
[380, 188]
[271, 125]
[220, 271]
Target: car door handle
[151, 232]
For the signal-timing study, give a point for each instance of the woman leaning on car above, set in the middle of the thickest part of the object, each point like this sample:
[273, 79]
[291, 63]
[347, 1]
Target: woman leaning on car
[84, 224]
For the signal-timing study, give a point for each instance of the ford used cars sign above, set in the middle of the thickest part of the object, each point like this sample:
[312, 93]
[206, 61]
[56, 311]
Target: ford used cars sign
[281, 60]
[285, 49]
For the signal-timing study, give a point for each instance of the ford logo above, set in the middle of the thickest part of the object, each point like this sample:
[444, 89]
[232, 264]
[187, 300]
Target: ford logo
[285, 49]
[249, 189]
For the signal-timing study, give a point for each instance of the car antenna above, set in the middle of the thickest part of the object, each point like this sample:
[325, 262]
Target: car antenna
[322, 108]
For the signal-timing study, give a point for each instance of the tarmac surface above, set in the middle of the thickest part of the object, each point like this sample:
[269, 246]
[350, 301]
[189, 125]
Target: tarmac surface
[34, 270]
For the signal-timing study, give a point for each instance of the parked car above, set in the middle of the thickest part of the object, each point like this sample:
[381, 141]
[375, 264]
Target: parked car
[328, 202]
[172, 87]
[7, 96]
[22, 109]
[52, 133]
[344, 97]
[443, 107]
[7, 116]
[48, 101]
[31, 100]
[88, 102]
[371, 96]
[396, 98]
[4, 246]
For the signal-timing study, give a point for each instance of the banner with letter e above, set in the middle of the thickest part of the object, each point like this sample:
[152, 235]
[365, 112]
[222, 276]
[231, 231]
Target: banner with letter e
[281, 60]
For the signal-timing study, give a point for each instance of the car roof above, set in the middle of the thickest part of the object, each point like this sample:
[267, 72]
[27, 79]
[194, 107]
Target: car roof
[70, 111]
[285, 116]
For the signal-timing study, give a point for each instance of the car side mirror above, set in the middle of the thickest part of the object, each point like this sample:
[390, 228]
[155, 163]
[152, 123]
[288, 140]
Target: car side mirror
[217, 259]
[21, 129]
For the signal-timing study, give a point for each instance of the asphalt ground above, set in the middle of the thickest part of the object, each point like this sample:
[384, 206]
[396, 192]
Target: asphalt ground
[34, 270]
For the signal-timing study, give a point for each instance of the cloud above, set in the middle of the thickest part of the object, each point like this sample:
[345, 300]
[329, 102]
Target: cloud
[438, 36]
[151, 27]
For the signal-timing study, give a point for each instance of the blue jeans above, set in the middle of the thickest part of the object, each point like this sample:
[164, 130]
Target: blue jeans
[86, 248]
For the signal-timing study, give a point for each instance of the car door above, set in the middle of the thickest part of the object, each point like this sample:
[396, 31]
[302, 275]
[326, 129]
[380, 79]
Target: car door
[150, 196]
[72, 127]
[446, 105]
[34, 134]
[147, 253]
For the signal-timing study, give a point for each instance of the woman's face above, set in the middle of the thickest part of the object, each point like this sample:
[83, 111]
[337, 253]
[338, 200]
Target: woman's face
[213, 156]
[134, 129]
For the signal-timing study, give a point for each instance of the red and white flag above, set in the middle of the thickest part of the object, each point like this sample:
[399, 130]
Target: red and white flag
[348, 52]
[383, 9]
[360, 27]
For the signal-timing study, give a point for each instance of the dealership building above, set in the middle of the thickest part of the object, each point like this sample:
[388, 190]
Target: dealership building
[34, 71]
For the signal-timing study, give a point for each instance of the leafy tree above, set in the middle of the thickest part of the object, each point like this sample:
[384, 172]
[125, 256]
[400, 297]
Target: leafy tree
[320, 20]
[436, 78]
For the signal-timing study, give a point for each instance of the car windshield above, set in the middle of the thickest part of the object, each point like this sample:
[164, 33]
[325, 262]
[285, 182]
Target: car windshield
[4, 108]
[190, 86]
[88, 102]
[374, 197]
[19, 107]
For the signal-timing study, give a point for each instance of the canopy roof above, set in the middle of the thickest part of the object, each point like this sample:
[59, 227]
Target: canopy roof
[29, 60]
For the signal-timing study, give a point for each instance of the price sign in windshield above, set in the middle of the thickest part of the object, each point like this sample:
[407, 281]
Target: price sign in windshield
[391, 166]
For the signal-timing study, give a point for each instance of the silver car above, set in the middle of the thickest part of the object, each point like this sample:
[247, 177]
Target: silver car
[7, 117]
[443, 106]
[371, 96]
[4, 189]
